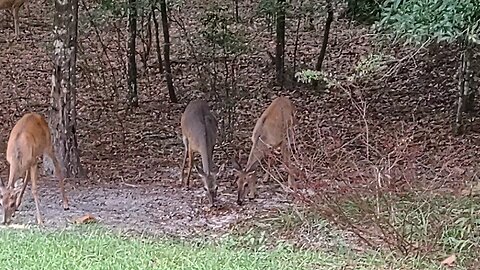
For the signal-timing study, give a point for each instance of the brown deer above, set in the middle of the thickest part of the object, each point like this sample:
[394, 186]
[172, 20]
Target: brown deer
[29, 139]
[199, 133]
[272, 130]
[15, 6]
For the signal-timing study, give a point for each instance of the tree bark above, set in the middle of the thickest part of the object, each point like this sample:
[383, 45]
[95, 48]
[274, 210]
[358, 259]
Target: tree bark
[463, 87]
[326, 33]
[295, 47]
[237, 19]
[63, 95]
[157, 38]
[166, 52]
[132, 85]
[280, 43]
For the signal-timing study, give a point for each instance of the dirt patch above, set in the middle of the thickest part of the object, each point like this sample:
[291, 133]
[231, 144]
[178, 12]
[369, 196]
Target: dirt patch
[159, 208]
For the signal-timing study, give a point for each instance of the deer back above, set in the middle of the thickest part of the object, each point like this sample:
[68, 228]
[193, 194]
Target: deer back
[271, 128]
[28, 140]
[200, 127]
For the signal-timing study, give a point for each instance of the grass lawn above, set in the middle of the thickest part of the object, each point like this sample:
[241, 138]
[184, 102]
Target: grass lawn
[96, 248]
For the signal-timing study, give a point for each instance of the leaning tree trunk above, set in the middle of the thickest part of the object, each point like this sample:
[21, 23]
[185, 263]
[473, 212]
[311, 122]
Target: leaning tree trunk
[63, 96]
[326, 33]
[166, 52]
[280, 43]
[463, 86]
[132, 97]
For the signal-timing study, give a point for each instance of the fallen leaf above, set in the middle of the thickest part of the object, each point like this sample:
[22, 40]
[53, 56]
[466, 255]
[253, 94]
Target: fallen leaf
[449, 261]
[88, 218]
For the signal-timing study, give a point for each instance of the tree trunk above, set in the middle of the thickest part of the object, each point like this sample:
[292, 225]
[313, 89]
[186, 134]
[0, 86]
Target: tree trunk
[132, 97]
[295, 47]
[166, 52]
[280, 43]
[469, 85]
[237, 19]
[63, 96]
[463, 87]
[326, 33]
[157, 38]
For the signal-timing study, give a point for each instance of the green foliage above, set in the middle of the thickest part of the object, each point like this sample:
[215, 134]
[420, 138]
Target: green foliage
[431, 20]
[218, 24]
[364, 11]
[111, 9]
[176, 4]
[370, 64]
[308, 75]
[116, 8]
[267, 8]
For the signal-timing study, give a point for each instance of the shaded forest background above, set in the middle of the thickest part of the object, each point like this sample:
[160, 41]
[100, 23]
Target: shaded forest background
[380, 121]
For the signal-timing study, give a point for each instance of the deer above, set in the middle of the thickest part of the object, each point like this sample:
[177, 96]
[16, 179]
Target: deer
[273, 129]
[199, 134]
[29, 139]
[15, 6]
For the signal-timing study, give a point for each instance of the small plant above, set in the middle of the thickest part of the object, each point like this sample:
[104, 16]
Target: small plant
[218, 33]
[371, 64]
[308, 76]
[364, 11]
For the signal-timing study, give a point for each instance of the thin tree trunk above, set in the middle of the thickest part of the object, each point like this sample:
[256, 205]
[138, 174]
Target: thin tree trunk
[295, 48]
[166, 52]
[63, 95]
[237, 19]
[463, 88]
[157, 38]
[469, 88]
[280, 43]
[326, 33]
[132, 97]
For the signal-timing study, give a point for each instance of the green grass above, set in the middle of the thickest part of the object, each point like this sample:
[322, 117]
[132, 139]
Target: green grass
[96, 248]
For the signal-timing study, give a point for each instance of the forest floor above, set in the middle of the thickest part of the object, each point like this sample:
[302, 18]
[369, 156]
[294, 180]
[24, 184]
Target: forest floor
[133, 160]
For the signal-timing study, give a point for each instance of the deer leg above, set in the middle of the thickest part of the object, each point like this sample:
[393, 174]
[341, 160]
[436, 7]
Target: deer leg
[286, 160]
[25, 183]
[189, 169]
[185, 143]
[60, 177]
[15, 20]
[34, 177]
[252, 186]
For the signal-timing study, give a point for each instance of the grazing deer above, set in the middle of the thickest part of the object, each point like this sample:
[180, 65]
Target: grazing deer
[29, 139]
[272, 130]
[199, 134]
[15, 6]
